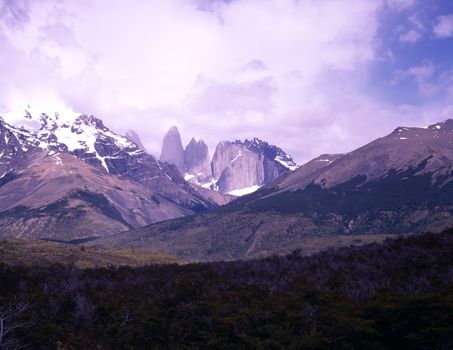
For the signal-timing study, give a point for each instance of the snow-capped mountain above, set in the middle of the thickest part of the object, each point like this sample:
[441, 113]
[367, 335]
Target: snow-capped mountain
[241, 167]
[84, 136]
[88, 139]
[271, 152]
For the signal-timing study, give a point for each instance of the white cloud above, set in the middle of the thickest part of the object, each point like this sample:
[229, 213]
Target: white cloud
[413, 31]
[289, 72]
[430, 80]
[410, 36]
[400, 5]
[423, 76]
[443, 27]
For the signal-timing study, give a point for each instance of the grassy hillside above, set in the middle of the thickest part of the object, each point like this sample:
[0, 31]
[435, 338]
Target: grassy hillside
[393, 295]
[36, 252]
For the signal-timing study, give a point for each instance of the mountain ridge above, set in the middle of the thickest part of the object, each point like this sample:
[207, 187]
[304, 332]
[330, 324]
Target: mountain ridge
[384, 187]
[85, 147]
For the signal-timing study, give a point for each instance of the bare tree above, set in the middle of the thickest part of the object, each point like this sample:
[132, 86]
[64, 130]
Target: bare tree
[10, 323]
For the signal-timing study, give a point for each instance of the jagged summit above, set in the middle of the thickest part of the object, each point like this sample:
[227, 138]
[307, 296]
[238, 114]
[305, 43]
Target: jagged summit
[82, 146]
[197, 161]
[173, 130]
[446, 125]
[172, 150]
[134, 137]
[84, 135]
[270, 151]
[241, 167]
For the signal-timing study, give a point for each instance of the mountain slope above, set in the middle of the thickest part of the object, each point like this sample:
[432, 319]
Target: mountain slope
[89, 139]
[387, 186]
[403, 148]
[60, 196]
[77, 158]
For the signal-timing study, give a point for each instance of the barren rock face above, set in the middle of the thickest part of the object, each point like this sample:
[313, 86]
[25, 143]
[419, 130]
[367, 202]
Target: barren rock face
[172, 150]
[234, 166]
[196, 157]
[237, 165]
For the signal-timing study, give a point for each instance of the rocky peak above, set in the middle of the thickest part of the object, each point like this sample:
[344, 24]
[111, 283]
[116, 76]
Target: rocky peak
[90, 120]
[172, 150]
[82, 135]
[269, 151]
[14, 144]
[135, 138]
[196, 158]
[87, 138]
[446, 125]
[249, 164]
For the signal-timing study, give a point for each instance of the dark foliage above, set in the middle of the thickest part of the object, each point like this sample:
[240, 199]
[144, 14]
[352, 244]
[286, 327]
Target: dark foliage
[395, 295]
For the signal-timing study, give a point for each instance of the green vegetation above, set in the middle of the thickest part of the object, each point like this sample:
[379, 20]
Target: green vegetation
[393, 295]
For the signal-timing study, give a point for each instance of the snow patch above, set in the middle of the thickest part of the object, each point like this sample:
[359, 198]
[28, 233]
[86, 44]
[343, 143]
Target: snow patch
[237, 157]
[210, 185]
[287, 163]
[57, 160]
[189, 177]
[243, 191]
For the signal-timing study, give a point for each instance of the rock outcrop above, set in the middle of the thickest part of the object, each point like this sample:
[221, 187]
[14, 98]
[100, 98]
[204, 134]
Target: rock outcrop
[240, 166]
[197, 161]
[172, 150]
[237, 165]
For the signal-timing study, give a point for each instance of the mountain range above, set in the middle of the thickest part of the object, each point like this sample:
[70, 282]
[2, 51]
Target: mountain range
[71, 178]
[400, 183]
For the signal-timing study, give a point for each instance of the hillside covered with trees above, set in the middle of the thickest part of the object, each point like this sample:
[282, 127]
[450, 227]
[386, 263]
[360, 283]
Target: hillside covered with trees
[393, 295]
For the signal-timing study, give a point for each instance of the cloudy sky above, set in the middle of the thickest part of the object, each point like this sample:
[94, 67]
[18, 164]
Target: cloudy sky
[312, 76]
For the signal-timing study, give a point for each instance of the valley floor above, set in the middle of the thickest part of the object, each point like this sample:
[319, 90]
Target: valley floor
[31, 252]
